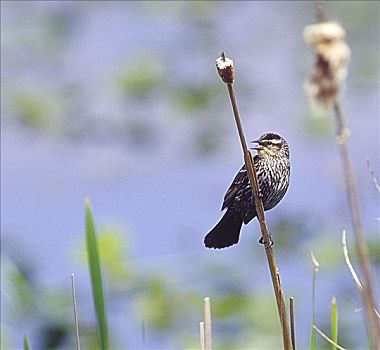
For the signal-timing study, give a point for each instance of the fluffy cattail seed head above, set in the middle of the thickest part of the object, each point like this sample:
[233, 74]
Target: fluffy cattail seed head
[225, 68]
[333, 55]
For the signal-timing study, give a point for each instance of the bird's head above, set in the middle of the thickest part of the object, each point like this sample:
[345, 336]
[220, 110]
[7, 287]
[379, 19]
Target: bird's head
[270, 145]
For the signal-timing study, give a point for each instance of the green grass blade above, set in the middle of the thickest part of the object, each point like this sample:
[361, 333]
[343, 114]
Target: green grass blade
[96, 277]
[26, 343]
[313, 340]
[334, 323]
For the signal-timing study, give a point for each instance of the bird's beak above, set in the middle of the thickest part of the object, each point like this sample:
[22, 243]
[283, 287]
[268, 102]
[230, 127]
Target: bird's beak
[257, 147]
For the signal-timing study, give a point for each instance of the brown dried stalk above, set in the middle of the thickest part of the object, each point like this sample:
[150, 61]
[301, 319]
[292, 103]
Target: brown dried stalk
[361, 245]
[226, 72]
[292, 323]
[342, 134]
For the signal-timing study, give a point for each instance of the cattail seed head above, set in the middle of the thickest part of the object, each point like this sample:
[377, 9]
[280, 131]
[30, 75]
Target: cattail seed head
[225, 67]
[332, 57]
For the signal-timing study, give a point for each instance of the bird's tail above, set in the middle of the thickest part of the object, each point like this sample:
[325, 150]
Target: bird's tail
[225, 233]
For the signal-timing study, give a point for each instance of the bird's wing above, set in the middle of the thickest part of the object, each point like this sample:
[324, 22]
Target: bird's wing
[240, 181]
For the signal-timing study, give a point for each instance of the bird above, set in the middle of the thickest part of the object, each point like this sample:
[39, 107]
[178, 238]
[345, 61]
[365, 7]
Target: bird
[273, 173]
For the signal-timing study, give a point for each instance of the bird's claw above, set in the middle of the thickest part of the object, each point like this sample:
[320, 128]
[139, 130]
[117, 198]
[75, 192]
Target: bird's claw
[267, 244]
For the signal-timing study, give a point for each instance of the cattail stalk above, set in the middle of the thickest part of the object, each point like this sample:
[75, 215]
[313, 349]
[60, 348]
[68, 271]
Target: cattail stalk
[226, 72]
[325, 84]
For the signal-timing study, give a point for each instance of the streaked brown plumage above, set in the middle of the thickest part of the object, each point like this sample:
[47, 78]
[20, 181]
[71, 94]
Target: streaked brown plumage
[273, 170]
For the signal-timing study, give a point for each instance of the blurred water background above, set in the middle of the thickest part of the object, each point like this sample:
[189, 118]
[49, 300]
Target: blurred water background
[120, 102]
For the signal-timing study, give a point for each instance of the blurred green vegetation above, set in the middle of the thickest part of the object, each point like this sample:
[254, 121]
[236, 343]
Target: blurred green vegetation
[374, 250]
[142, 76]
[47, 310]
[166, 304]
[319, 122]
[36, 110]
[26, 343]
[195, 98]
[114, 257]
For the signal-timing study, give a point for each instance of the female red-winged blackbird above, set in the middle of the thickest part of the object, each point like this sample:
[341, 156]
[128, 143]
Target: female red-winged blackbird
[273, 170]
